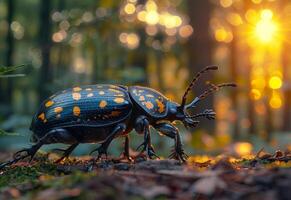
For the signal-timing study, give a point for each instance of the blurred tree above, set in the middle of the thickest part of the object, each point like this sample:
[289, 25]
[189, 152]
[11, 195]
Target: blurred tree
[9, 52]
[200, 47]
[251, 112]
[286, 61]
[45, 77]
[234, 93]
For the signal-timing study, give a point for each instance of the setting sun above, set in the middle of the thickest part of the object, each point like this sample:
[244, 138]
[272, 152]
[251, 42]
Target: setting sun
[266, 28]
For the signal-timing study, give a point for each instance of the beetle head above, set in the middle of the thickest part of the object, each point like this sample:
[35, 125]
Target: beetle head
[182, 110]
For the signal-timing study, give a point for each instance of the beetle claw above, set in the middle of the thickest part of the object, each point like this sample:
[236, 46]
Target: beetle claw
[179, 154]
[30, 152]
[18, 156]
[100, 156]
[101, 151]
[125, 156]
[149, 149]
[151, 153]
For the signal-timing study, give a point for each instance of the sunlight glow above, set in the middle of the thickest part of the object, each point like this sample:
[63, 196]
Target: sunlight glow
[243, 148]
[258, 82]
[170, 21]
[152, 17]
[266, 28]
[275, 101]
[275, 82]
[222, 35]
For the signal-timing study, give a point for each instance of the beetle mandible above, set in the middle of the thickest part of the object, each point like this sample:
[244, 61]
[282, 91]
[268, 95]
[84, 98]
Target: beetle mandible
[99, 113]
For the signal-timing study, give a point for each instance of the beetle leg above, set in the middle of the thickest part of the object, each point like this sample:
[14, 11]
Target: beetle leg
[125, 154]
[25, 153]
[67, 152]
[171, 131]
[102, 149]
[53, 135]
[126, 149]
[142, 126]
[149, 147]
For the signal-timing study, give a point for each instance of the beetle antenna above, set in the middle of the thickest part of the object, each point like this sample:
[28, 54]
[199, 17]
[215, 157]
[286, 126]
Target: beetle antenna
[208, 68]
[213, 88]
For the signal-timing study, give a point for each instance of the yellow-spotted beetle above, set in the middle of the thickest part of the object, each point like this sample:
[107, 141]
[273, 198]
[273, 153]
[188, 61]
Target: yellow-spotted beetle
[99, 113]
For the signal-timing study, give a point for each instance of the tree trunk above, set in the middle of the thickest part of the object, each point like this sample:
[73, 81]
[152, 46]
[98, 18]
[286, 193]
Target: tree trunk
[234, 93]
[250, 113]
[7, 98]
[286, 62]
[200, 49]
[287, 90]
[45, 46]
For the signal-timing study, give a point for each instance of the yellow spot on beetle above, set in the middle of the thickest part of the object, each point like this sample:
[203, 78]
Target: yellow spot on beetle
[76, 96]
[49, 103]
[119, 100]
[161, 106]
[141, 98]
[102, 104]
[88, 89]
[58, 116]
[45, 121]
[76, 111]
[149, 95]
[115, 113]
[101, 92]
[149, 105]
[41, 116]
[119, 95]
[77, 89]
[90, 95]
[58, 109]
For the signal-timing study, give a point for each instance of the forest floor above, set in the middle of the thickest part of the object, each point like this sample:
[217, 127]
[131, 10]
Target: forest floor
[261, 176]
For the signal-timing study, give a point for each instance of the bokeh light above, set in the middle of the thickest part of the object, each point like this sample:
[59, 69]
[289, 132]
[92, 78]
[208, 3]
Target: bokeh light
[275, 82]
[226, 3]
[129, 8]
[275, 101]
[243, 148]
[266, 28]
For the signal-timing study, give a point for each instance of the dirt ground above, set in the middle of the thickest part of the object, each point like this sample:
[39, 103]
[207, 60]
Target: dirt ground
[262, 176]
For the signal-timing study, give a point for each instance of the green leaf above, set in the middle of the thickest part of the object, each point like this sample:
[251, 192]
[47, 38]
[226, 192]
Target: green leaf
[4, 70]
[11, 75]
[4, 133]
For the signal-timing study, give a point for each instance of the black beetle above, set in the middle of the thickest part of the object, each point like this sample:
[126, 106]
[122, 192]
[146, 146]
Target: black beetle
[100, 113]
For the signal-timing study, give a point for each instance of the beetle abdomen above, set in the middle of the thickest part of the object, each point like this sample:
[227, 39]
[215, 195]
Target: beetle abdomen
[92, 105]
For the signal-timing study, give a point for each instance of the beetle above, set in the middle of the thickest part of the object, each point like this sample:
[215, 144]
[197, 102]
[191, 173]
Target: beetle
[99, 113]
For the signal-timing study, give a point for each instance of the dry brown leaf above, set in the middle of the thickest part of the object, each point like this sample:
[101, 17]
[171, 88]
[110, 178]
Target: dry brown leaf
[156, 191]
[208, 185]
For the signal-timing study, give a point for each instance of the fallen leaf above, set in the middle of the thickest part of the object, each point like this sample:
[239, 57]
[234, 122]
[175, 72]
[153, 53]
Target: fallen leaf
[208, 185]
